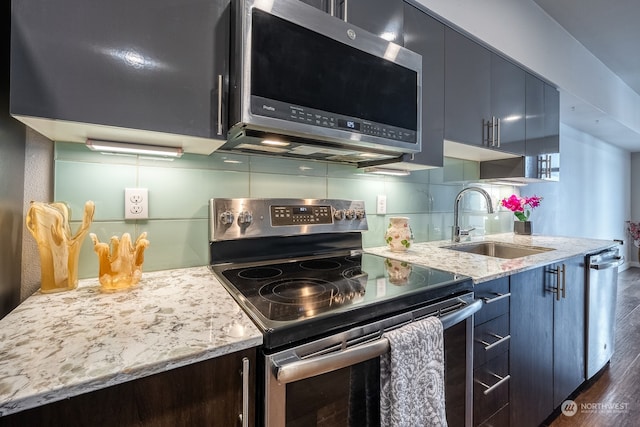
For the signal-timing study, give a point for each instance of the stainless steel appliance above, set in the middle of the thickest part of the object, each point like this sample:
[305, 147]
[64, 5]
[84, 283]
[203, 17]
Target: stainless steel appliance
[602, 289]
[307, 85]
[297, 268]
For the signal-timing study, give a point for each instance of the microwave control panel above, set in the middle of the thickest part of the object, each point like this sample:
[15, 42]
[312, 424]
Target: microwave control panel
[309, 116]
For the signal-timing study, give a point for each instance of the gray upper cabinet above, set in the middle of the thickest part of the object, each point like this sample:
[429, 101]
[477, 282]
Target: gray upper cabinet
[507, 105]
[425, 35]
[535, 129]
[551, 119]
[486, 98]
[381, 17]
[543, 118]
[467, 89]
[147, 65]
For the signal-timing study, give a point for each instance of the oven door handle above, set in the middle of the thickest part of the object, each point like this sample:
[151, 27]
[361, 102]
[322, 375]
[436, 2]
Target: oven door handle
[302, 369]
[448, 320]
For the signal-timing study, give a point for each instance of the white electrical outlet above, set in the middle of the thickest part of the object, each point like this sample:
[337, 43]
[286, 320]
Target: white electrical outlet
[136, 203]
[381, 204]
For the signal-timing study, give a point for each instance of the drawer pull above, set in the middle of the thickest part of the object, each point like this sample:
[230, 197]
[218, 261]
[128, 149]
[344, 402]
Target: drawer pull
[489, 346]
[497, 298]
[501, 380]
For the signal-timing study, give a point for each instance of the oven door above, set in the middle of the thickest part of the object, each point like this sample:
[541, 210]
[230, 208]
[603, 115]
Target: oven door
[335, 381]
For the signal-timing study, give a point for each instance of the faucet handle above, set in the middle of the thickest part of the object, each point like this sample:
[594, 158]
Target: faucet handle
[467, 231]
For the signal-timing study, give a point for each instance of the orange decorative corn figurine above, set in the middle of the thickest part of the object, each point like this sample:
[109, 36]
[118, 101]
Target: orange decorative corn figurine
[59, 251]
[120, 261]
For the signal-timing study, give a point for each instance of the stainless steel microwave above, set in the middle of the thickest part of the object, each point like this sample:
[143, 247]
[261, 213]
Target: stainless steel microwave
[306, 84]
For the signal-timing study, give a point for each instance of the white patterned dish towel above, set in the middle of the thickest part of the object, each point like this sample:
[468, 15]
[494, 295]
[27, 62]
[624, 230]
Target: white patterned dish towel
[412, 376]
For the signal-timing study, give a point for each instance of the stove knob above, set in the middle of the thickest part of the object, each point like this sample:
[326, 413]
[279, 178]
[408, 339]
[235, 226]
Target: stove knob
[338, 214]
[360, 214]
[226, 218]
[350, 214]
[245, 218]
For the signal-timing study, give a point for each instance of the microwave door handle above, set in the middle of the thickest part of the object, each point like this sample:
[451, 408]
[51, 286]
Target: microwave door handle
[219, 124]
[300, 370]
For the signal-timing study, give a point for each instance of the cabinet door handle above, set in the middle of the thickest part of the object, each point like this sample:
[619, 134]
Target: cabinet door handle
[494, 140]
[501, 339]
[557, 290]
[220, 89]
[346, 9]
[498, 130]
[498, 297]
[486, 132]
[244, 416]
[501, 380]
[564, 281]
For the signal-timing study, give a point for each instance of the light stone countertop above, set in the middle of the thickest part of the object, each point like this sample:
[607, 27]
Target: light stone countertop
[60, 345]
[54, 346]
[484, 268]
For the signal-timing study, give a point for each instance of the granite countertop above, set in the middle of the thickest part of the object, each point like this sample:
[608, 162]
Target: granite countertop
[484, 268]
[55, 346]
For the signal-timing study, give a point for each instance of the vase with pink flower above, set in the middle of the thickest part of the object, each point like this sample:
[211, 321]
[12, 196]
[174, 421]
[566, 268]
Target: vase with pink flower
[633, 228]
[521, 207]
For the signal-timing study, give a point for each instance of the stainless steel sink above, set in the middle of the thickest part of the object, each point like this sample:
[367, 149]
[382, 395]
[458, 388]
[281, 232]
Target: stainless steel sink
[498, 249]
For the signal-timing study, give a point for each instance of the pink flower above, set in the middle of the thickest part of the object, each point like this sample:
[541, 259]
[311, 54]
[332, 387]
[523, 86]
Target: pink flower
[518, 205]
[634, 230]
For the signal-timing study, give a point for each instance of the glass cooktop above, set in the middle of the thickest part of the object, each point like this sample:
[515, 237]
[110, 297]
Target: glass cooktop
[289, 298]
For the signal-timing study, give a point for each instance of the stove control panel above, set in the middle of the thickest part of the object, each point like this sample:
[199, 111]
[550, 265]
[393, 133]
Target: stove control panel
[300, 215]
[231, 219]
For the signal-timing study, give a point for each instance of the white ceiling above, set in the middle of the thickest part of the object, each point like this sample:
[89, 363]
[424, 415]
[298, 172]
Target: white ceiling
[611, 31]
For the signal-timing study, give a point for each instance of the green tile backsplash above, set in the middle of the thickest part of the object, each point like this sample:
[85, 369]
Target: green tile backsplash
[179, 192]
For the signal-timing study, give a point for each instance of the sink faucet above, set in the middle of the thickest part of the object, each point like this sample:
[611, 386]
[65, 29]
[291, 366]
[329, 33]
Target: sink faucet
[456, 228]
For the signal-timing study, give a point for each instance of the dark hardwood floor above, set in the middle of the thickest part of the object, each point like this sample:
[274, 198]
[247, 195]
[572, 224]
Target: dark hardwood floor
[612, 398]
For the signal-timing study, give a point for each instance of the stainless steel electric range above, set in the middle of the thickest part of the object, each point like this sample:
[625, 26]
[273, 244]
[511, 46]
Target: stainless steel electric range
[297, 267]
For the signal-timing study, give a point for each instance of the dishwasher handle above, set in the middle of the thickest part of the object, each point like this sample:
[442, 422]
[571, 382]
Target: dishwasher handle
[617, 261]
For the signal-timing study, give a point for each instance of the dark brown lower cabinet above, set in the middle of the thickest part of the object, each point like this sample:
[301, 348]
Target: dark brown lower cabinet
[207, 393]
[491, 345]
[547, 346]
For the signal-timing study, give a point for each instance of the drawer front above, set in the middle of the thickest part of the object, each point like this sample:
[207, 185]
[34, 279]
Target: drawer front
[490, 387]
[499, 419]
[490, 339]
[496, 299]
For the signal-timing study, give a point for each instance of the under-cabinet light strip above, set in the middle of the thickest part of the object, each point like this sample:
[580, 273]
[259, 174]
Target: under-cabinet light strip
[126, 148]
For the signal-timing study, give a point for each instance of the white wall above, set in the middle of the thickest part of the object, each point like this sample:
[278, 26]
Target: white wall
[593, 197]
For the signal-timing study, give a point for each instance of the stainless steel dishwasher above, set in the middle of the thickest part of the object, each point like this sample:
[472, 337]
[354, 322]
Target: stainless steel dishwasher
[602, 288]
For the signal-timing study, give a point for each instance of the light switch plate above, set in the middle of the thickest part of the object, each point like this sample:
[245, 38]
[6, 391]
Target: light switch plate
[136, 203]
[381, 204]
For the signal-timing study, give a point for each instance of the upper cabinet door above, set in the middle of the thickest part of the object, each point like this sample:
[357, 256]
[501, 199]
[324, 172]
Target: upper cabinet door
[151, 65]
[535, 114]
[467, 89]
[543, 118]
[508, 105]
[551, 119]
[425, 35]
